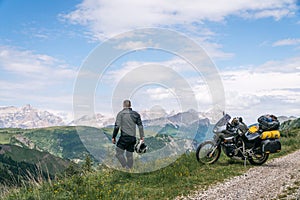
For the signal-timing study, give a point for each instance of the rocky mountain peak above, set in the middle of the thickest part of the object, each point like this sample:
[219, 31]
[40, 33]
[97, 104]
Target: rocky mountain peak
[27, 117]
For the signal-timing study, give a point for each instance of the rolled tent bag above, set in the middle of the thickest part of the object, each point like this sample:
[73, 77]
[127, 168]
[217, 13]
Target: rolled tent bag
[268, 123]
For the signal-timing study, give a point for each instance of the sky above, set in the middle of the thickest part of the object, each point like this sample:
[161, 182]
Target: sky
[252, 47]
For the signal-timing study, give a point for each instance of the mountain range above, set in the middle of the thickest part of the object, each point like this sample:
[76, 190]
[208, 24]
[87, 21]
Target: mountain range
[27, 117]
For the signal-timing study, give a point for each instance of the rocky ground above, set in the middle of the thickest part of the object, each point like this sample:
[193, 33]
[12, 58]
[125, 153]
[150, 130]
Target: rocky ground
[277, 179]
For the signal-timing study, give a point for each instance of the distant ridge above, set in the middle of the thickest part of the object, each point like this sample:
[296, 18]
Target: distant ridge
[27, 117]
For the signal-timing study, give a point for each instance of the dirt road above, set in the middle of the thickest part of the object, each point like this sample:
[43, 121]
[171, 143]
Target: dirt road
[277, 179]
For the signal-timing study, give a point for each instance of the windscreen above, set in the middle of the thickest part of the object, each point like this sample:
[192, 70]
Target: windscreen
[221, 124]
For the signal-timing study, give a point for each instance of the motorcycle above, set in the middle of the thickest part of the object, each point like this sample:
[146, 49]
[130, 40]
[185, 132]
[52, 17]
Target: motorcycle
[237, 140]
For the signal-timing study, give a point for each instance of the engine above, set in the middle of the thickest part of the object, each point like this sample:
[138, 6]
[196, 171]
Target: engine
[232, 147]
[229, 149]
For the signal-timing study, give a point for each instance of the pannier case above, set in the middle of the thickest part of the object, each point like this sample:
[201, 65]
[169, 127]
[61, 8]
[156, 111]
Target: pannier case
[271, 146]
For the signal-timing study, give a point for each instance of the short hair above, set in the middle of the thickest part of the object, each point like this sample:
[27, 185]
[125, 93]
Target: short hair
[126, 103]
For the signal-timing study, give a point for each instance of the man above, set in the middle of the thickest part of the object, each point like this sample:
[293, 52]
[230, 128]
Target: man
[127, 120]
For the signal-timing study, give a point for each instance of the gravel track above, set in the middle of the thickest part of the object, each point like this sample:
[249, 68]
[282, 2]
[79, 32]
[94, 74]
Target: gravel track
[279, 178]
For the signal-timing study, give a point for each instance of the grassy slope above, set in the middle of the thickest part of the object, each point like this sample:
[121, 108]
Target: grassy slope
[63, 142]
[60, 141]
[180, 178]
[7, 133]
[47, 161]
[70, 142]
[21, 165]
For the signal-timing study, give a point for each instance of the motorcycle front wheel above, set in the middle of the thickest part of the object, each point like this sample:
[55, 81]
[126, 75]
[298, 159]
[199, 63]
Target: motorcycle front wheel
[207, 152]
[259, 159]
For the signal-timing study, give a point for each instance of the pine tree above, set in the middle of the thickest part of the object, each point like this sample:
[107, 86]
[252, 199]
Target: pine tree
[87, 166]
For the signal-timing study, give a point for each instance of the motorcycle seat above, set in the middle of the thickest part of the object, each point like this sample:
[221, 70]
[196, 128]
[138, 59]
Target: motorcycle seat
[252, 136]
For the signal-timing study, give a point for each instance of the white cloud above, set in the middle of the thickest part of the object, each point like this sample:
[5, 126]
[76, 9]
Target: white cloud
[289, 65]
[214, 50]
[16, 85]
[160, 93]
[106, 18]
[136, 45]
[287, 42]
[272, 87]
[115, 76]
[37, 79]
[168, 83]
[28, 64]
[179, 66]
[276, 13]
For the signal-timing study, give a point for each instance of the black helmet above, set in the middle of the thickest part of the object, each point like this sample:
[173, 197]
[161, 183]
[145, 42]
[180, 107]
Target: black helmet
[235, 121]
[140, 147]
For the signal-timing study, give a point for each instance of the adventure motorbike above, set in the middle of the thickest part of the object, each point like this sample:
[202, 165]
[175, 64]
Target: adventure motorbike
[237, 140]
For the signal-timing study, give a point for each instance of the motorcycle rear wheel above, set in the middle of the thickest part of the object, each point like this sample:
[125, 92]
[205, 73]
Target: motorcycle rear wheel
[204, 152]
[259, 159]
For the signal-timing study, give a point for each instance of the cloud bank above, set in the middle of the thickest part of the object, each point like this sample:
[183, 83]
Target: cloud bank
[105, 18]
[37, 79]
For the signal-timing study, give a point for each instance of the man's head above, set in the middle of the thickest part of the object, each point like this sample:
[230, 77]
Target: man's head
[126, 104]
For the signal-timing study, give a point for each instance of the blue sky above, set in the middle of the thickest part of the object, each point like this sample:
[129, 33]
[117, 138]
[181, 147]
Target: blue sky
[255, 45]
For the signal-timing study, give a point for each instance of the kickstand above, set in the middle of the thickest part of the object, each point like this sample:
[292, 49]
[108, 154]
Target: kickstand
[245, 157]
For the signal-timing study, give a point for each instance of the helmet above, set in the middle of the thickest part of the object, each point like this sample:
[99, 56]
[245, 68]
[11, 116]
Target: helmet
[140, 147]
[235, 121]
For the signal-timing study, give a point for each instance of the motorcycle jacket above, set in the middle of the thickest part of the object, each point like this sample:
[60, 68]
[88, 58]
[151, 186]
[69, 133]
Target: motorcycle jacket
[127, 120]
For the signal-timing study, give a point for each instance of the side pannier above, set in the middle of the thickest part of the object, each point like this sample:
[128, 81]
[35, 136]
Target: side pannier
[268, 123]
[271, 146]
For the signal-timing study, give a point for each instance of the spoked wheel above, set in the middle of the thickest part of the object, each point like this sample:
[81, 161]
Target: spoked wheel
[259, 158]
[207, 152]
